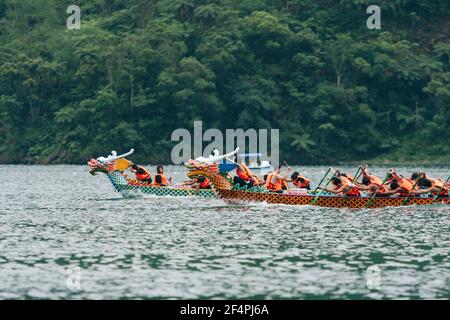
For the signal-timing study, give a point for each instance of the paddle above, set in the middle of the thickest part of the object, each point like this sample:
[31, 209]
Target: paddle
[318, 186]
[440, 190]
[357, 174]
[288, 188]
[326, 185]
[378, 189]
[415, 184]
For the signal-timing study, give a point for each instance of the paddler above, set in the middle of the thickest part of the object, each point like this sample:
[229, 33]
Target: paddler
[244, 176]
[202, 183]
[370, 182]
[431, 185]
[300, 181]
[198, 183]
[142, 174]
[275, 180]
[398, 185]
[348, 176]
[343, 186]
[160, 178]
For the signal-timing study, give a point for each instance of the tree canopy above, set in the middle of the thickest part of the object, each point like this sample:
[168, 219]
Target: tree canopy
[139, 69]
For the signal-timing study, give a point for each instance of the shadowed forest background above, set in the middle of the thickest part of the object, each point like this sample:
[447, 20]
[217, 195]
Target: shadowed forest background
[139, 69]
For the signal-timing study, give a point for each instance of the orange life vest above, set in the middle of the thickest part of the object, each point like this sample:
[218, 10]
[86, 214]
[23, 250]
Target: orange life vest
[143, 176]
[163, 182]
[277, 186]
[242, 174]
[407, 186]
[354, 191]
[204, 184]
[250, 175]
[436, 183]
[298, 184]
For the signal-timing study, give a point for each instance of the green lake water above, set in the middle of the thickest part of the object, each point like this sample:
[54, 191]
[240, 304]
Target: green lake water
[67, 235]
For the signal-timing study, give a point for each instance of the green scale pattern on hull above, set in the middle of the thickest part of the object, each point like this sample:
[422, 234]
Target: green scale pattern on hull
[123, 186]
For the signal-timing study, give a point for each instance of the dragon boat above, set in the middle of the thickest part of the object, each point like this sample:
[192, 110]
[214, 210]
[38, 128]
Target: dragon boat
[234, 194]
[114, 167]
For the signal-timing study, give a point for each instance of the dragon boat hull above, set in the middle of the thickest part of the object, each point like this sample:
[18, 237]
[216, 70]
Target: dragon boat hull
[114, 167]
[236, 196]
[231, 194]
[128, 187]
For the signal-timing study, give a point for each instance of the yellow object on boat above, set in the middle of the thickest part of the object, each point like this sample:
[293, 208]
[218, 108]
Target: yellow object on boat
[122, 164]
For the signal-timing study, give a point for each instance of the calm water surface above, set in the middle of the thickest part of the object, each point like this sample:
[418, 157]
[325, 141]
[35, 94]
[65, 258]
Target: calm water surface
[67, 235]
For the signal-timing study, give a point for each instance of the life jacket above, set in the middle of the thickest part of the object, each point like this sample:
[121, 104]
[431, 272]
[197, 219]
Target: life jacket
[250, 175]
[436, 183]
[354, 191]
[143, 176]
[277, 186]
[243, 174]
[298, 184]
[163, 182]
[205, 184]
[407, 186]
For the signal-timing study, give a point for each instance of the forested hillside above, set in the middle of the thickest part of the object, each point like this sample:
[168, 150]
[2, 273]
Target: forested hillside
[138, 69]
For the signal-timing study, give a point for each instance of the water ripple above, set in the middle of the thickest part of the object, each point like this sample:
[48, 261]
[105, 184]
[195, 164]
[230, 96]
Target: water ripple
[190, 248]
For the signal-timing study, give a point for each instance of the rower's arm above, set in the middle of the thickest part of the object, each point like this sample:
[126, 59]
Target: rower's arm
[361, 186]
[398, 190]
[423, 191]
[286, 177]
[339, 190]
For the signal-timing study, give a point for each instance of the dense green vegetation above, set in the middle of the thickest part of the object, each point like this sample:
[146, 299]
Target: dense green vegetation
[138, 69]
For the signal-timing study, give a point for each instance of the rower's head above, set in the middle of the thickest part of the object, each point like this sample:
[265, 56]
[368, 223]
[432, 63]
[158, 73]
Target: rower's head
[301, 180]
[365, 181]
[160, 169]
[394, 184]
[415, 175]
[425, 183]
[336, 181]
[294, 176]
[135, 167]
